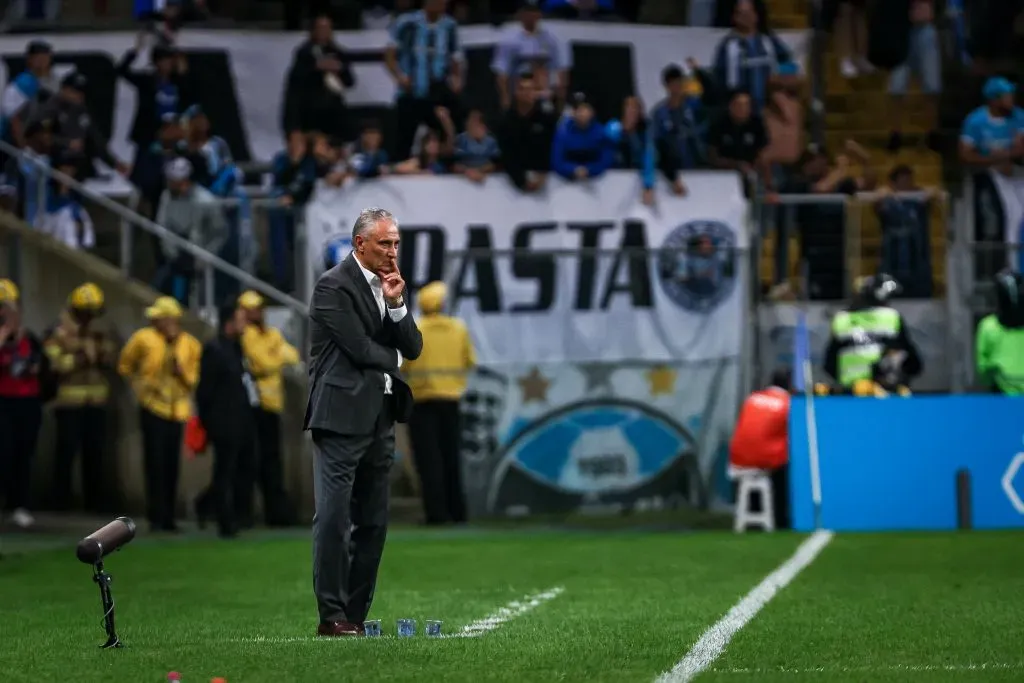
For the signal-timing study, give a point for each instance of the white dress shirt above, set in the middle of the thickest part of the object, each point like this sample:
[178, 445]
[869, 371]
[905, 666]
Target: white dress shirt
[396, 313]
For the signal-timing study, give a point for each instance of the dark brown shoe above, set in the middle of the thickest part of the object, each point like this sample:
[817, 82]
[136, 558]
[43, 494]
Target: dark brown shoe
[334, 629]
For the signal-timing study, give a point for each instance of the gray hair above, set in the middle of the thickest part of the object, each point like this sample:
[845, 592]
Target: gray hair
[369, 218]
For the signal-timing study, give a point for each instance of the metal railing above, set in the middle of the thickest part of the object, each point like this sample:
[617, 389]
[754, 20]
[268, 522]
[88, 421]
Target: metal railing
[848, 242]
[211, 264]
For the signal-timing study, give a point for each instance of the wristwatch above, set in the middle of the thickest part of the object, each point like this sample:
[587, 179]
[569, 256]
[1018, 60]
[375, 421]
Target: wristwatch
[397, 303]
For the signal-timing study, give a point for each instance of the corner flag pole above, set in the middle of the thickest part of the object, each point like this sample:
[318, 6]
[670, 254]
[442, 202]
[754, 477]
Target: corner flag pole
[812, 441]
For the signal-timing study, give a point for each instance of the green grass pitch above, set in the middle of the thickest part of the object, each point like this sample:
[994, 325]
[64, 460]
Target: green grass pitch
[894, 607]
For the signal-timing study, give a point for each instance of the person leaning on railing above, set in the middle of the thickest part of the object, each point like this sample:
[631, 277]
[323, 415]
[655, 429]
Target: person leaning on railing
[191, 212]
[999, 345]
[162, 363]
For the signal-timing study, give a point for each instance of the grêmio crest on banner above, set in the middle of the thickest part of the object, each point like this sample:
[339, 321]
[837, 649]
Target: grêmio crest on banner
[584, 272]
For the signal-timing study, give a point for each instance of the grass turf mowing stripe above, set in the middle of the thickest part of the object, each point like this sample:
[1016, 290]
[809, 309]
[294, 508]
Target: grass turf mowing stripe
[714, 640]
[514, 609]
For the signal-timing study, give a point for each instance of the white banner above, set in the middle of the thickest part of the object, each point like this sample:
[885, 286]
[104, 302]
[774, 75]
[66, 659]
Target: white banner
[527, 291]
[926, 322]
[255, 65]
[1011, 194]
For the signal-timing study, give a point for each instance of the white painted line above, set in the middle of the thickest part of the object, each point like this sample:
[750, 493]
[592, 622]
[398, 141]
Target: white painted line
[985, 666]
[714, 640]
[516, 608]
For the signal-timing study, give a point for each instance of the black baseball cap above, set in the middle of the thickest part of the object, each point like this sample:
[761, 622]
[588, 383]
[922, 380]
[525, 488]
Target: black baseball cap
[75, 81]
[39, 47]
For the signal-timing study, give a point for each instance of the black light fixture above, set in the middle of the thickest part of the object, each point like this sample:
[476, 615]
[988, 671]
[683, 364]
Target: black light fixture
[91, 550]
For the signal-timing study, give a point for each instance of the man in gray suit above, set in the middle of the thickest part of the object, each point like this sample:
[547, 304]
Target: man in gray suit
[360, 331]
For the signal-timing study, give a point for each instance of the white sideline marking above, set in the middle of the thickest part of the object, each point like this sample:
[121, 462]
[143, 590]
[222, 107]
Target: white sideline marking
[514, 609]
[714, 640]
[984, 666]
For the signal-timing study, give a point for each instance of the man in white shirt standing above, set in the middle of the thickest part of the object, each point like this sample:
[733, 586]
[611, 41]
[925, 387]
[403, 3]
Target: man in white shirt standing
[360, 330]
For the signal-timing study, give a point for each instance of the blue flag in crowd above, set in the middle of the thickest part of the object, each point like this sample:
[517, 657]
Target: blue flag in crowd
[801, 350]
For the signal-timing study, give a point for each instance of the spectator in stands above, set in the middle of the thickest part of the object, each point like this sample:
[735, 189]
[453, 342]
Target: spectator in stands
[525, 136]
[66, 219]
[476, 150]
[320, 73]
[331, 164]
[74, 129]
[34, 84]
[581, 148]
[529, 48]
[430, 159]
[749, 59]
[737, 140]
[427, 77]
[166, 17]
[636, 145]
[584, 10]
[924, 60]
[191, 212]
[369, 160]
[823, 226]
[993, 134]
[23, 367]
[83, 352]
[680, 127]
[26, 177]
[725, 10]
[784, 123]
[850, 25]
[218, 173]
[148, 171]
[999, 344]
[162, 363]
[906, 248]
[161, 92]
[294, 176]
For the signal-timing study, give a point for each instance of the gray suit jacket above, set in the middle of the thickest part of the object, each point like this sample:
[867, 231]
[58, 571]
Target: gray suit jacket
[351, 348]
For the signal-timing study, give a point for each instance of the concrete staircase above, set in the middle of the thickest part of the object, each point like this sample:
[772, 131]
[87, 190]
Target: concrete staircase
[858, 109]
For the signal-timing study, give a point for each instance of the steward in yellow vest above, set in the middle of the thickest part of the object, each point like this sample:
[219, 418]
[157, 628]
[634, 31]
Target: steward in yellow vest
[82, 356]
[438, 379]
[267, 353]
[162, 363]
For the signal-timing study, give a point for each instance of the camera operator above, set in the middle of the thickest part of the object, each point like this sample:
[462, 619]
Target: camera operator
[22, 368]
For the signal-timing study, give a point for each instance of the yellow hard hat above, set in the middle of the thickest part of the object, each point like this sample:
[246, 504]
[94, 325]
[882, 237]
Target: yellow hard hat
[87, 297]
[164, 307]
[8, 291]
[250, 299]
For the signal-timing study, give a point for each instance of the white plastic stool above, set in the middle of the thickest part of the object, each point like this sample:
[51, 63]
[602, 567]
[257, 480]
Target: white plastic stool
[750, 481]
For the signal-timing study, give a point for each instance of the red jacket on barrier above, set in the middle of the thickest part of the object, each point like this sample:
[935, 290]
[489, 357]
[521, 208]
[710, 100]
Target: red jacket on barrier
[761, 439]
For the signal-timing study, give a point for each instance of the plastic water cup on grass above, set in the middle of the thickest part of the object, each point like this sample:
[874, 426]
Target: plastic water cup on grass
[406, 628]
[432, 627]
[372, 627]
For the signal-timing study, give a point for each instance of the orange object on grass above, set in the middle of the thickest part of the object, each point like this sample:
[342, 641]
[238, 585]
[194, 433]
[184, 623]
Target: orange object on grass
[761, 439]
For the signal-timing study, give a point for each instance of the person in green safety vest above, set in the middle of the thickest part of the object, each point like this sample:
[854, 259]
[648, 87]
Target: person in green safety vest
[999, 344]
[870, 344]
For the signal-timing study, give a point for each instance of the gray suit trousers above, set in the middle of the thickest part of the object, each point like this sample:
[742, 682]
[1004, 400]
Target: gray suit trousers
[350, 486]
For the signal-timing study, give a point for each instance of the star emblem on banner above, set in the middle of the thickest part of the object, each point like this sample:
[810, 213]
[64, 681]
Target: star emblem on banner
[598, 375]
[662, 380]
[534, 386]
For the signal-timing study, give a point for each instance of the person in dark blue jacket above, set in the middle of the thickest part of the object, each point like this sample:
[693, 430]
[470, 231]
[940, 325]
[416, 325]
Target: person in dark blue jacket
[294, 177]
[581, 148]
